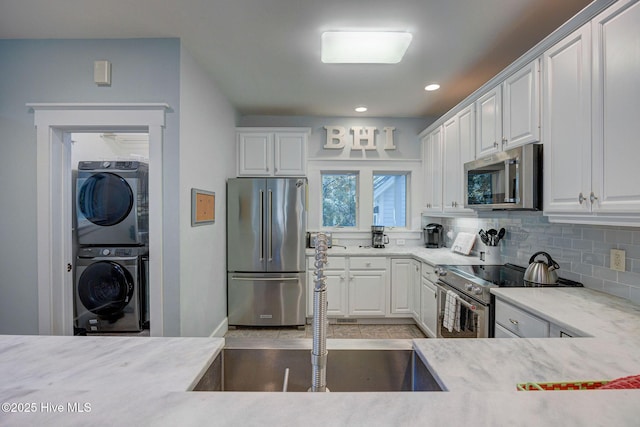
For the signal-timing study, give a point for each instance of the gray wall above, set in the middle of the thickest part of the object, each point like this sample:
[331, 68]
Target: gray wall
[207, 159]
[62, 71]
[405, 136]
[581, 250]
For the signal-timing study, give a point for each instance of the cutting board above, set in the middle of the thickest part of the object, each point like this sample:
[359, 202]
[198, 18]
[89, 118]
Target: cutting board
[463, 243]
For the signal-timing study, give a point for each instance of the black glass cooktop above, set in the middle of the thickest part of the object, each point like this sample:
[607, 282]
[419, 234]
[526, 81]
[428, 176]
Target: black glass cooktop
[504, 276]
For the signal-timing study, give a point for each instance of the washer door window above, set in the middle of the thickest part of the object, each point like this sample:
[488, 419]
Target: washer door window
[105, 288]
[105, 199]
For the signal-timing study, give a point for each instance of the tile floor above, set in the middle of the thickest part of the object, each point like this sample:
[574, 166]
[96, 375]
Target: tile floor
[334, 331]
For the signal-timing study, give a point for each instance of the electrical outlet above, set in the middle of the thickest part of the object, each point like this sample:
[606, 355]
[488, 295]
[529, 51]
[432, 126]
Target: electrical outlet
[400, 242]
[617, 259]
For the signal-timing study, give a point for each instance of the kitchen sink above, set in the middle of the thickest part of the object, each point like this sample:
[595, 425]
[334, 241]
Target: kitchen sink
[352, 366]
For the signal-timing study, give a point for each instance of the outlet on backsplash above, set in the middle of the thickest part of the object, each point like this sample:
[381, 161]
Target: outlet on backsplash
[617, 259]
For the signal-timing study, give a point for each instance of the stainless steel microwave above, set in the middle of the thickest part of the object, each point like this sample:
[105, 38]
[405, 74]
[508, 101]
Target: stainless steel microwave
[509, 179]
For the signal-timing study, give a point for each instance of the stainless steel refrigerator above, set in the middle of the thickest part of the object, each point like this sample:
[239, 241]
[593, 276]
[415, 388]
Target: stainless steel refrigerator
[266, 225]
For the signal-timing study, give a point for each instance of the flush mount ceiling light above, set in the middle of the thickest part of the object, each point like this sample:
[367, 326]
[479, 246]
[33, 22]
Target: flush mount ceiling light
[361, 109]
[431, 87]
[364, 47]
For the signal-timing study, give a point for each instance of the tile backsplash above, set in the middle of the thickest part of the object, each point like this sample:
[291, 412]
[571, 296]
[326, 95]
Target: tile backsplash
[583, 251]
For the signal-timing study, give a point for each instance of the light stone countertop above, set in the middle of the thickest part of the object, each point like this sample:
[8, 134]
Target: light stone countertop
[144, 381]
[434, 257]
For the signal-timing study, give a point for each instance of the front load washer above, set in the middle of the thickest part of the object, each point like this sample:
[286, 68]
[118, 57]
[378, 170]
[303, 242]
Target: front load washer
[109, 289]
[112, 203]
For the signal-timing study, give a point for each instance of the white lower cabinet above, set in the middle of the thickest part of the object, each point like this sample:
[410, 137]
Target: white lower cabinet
[512, 321]
[428, 318]
[356, 286]
[516, 322]
[405, 278]
[367, 291]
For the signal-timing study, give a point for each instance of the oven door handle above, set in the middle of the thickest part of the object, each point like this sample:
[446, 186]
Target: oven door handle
[471, 307]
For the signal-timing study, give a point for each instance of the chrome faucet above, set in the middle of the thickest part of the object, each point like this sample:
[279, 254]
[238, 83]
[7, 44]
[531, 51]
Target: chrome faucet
[319, 352]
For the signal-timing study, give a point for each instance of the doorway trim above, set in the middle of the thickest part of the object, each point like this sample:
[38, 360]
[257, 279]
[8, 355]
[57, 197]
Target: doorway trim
[54, 123]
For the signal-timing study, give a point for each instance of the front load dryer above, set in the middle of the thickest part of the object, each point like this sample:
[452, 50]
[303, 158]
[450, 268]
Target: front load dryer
[112, 203]
[109, 289]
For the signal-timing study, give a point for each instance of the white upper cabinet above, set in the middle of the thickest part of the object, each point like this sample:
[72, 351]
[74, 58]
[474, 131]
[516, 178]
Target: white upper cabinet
[567, 123]
[521, 107]
[509, 114]
[272, 151]
[591, 126]
[255, 153]
[489, 124]
[432, 163]
[459, 148]
[616, 109]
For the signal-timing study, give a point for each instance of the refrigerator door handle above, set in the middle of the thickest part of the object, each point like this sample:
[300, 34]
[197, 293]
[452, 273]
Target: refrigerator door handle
[261, 225]
[270, 225]
[266, 279]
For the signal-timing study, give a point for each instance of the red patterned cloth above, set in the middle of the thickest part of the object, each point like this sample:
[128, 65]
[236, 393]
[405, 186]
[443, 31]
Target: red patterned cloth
[632, 381]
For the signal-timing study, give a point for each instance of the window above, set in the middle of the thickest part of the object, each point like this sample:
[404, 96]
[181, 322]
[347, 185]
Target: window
[390, 199]
[339, 199]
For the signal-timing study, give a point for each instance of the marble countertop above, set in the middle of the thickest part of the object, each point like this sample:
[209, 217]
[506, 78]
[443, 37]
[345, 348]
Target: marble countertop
[144, 381]
[438, 256]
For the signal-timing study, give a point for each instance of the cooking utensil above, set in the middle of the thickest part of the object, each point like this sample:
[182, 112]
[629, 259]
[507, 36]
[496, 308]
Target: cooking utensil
[492, 237]
[483, 236]
[501, 233]
[540, 272]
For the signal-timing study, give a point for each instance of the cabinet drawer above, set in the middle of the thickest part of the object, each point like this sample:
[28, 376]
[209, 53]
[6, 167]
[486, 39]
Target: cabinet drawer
[429, 272]
[333, 263]
[520, 322]
[362, 263]
[502, 332]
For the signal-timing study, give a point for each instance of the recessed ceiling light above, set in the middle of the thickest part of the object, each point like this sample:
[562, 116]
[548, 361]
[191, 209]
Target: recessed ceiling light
[361, 109]
[364, 47]
[432, 86]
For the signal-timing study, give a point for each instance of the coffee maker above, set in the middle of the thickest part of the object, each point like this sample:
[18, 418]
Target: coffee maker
[378, 238]
[433, 236]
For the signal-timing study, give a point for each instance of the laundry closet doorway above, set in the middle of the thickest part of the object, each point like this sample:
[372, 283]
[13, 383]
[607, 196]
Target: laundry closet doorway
[55, 124]
[110, 232]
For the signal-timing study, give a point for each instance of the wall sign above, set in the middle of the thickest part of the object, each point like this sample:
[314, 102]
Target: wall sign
[364, 138]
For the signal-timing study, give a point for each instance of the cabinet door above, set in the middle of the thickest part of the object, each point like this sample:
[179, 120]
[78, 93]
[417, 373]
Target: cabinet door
[415, 296]
[255, 154]
[489, 124]
[402, 275]
[616, 125]
[452, 171]
[432, 163]
[521, 107]
[467, 135]
[290, 151]
[336, 293]
[566, 124]
[367, 290]
[429, 302]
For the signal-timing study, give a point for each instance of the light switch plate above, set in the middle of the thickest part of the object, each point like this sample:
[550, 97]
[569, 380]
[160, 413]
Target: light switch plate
[102, 73]
[617, 259]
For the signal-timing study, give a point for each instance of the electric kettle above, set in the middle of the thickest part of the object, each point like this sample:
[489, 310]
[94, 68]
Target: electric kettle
[540, 272]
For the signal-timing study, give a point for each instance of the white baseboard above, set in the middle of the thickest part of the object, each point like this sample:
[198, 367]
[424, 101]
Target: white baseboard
[221, 330]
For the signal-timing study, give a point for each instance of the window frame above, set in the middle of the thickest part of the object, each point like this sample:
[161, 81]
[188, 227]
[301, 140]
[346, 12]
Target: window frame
[407, 195]
[355, 173]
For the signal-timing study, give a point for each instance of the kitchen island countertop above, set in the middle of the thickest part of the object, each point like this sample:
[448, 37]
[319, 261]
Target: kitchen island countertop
[144, 381]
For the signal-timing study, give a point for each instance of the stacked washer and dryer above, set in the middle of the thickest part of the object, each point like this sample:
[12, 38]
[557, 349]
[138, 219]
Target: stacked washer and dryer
[112, 241]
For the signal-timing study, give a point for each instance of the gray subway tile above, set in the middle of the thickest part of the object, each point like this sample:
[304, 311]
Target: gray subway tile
[605, 273]
[616, 289]
[593, 259]
[628, 278]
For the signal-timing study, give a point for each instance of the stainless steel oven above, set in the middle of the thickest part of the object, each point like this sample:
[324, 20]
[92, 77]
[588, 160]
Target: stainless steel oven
[474, 319]
[473, 302]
